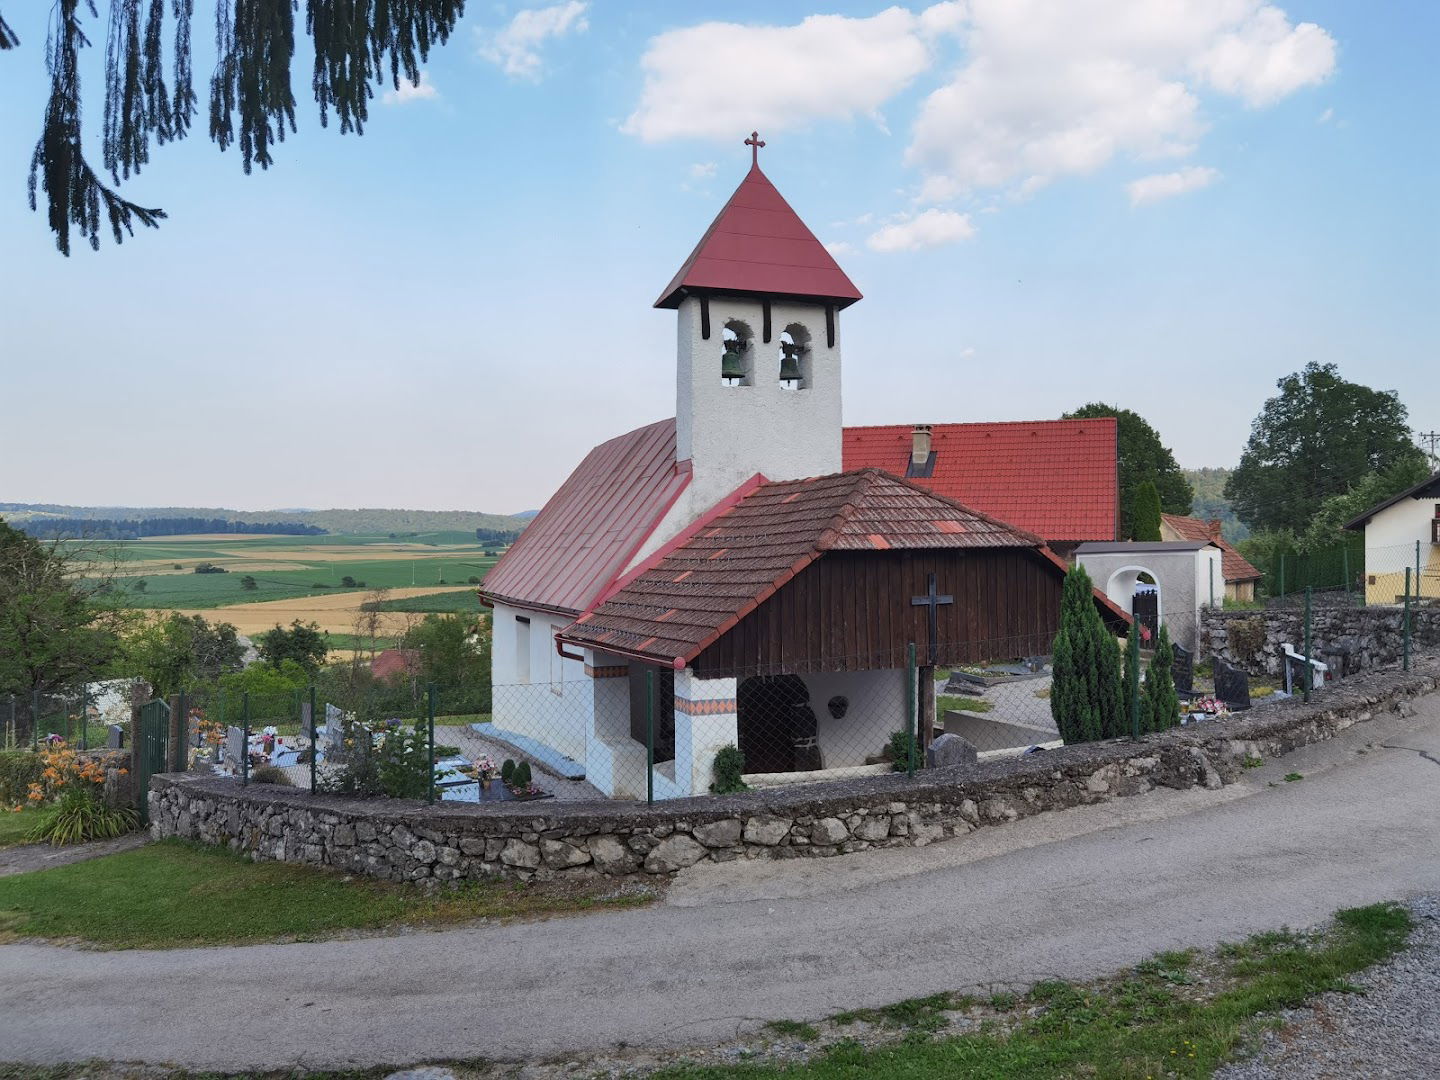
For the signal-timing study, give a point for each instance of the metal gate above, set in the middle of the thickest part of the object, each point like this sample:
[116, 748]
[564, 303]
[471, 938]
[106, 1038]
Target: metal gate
[151, 745]
[1146, 607]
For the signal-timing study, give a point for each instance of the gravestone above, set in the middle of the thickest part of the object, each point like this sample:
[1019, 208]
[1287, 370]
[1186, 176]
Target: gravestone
[1232, 686]
[1183, 670]
[332, 736]
[307, 722]
[114, 737]
[950, 749]
[235, 747]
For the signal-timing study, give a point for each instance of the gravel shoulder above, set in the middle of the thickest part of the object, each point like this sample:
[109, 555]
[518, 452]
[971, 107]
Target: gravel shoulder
[27, 857]
[1390, 1029]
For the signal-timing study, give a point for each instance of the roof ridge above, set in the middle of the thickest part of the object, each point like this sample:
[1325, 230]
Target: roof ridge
[1036, 539]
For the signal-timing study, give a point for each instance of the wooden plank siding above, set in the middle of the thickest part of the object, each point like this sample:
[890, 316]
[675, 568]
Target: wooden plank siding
[851, 611]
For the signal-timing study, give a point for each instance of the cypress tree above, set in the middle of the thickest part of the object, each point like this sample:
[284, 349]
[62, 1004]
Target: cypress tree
[1160, 704]
[1086, 697]
[1145, 513]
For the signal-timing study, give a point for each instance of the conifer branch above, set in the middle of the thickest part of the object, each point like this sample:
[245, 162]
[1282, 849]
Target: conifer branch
[8, 40]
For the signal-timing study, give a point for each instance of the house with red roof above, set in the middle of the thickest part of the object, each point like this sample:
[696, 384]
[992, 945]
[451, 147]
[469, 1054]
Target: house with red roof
[1056, 478]
[733, 578]
[1240, 576]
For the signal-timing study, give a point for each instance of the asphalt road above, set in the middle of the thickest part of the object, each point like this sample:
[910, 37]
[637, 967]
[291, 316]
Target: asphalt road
[1064, 895]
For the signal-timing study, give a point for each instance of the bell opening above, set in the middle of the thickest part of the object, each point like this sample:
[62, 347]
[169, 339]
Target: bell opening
[735, 360]
[794, 358]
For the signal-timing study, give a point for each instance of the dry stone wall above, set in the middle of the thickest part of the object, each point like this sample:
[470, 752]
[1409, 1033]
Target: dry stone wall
[406, 841]
[1252, 640]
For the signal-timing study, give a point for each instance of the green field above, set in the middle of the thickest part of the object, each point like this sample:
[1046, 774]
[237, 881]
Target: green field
[289, 567]
[464, 602]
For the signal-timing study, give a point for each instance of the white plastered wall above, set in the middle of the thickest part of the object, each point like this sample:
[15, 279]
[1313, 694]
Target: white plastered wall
[875, 709]
[1390, 539]
[730, 433]
[554, 704]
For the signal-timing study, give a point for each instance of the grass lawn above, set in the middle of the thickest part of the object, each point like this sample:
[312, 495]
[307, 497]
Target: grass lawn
[946, 702]
[174, 894]
[15, 827]
[1177, 1015]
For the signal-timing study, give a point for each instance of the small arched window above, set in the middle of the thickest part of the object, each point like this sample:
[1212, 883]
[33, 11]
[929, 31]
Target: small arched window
[795, 370]
[735, 362]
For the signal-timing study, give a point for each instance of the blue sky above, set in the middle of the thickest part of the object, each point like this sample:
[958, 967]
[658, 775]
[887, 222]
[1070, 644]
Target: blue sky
[1167, 204]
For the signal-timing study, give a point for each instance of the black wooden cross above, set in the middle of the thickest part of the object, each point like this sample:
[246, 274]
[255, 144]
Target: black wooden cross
[932, 600]
[754, 142]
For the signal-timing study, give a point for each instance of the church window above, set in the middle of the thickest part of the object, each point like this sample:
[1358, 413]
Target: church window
[735, 362]
[795, 371]
[522, 649]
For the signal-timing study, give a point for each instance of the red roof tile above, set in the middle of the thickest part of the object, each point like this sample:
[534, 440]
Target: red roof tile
[391, 664]
[1057, 478]
[592, 527]
[733, 561]
[1233, 565]
[758, 244]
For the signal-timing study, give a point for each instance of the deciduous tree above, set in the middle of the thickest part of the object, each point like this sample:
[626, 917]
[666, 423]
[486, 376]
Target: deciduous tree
[1142, 457]
[1318, 437]
[56, 626]
[304, 643]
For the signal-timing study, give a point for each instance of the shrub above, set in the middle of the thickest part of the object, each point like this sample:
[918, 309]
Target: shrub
[729, 767]
[248, 583]
[79, 815]
[1246, 638]
[898, 751]
[19, 769]
[209, 568]
[1159, 703]
[1087, 697]
[522, 775]
[270, 774]
[472, 580]
[507, 771]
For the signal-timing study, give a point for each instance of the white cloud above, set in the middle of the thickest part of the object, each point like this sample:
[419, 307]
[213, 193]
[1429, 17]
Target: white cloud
[409, 91]
[515, 48]
[1150, 189]
[1325, 117]
[933, 228]
[1051, 88]
[722, 79]
[839, 248]
[702, 170]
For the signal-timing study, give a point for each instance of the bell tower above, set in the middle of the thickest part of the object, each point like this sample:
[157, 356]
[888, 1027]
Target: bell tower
[758, 351]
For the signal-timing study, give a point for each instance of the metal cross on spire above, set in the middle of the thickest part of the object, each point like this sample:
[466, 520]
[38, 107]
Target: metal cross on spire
[754, 142]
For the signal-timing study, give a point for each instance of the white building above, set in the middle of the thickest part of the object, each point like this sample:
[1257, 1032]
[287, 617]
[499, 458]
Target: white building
[1403, 533]
[717, 579]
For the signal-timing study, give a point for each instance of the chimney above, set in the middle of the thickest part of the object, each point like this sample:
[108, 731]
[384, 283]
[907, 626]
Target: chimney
[920, 446]
[1214, 526]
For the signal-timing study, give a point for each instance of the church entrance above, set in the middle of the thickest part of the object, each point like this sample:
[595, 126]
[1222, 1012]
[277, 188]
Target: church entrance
[776, 726]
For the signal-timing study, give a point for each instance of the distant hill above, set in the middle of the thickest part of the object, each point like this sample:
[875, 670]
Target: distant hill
[1210, 502]
[333, 521]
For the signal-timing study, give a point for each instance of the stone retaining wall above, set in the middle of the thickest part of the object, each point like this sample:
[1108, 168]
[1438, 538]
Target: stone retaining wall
[1252, 639]
[406, 841]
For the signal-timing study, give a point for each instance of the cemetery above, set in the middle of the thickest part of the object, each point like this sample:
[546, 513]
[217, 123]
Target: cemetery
[407, 841]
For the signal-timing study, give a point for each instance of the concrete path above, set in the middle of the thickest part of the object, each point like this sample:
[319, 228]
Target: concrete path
[23, 858]
[1067, 895]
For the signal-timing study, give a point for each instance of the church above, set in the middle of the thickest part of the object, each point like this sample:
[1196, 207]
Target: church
[737, 575]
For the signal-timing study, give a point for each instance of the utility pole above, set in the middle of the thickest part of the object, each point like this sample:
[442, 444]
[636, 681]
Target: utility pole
[1433, 439]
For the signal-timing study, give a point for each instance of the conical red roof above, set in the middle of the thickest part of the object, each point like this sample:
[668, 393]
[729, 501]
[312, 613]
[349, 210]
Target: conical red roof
[759, 245]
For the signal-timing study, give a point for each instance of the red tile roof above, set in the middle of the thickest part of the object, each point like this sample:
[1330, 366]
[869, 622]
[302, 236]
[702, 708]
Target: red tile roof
[1233, 565]
[757, 244]
[592, 527]
[391, 664]
[1057, 478]
[732, 561]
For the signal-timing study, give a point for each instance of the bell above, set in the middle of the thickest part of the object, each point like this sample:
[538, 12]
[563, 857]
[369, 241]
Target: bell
[732, 364]
[789, 362]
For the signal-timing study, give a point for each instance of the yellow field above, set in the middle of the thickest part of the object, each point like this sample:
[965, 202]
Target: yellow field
[336, 613]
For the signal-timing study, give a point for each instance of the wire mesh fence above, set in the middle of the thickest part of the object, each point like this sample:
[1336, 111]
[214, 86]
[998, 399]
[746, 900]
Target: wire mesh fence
[634, 730]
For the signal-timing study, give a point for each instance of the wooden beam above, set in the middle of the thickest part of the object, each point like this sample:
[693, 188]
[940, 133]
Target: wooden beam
[704, 317]
[765, 306]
